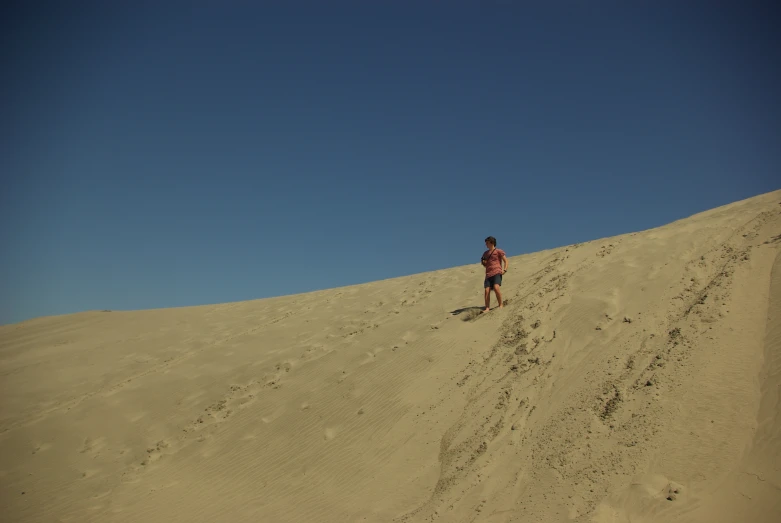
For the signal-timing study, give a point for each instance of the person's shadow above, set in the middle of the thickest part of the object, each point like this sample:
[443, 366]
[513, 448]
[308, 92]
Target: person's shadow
[465, 309]
[468, 313]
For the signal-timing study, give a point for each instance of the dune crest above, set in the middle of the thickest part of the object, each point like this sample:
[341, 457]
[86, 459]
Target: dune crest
[633, 378]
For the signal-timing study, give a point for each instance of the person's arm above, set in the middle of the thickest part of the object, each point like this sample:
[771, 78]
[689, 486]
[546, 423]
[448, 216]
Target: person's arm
[506, 263]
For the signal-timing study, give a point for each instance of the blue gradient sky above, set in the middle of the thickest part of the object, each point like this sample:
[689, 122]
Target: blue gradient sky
[186, 153]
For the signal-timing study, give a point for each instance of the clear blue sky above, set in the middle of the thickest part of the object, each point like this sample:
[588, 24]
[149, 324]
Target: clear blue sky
[161, 154]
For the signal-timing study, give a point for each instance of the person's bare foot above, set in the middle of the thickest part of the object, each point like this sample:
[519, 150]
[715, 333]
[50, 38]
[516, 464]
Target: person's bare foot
[484, 311]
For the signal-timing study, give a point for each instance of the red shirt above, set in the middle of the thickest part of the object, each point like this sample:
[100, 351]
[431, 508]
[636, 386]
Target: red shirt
[494, 265]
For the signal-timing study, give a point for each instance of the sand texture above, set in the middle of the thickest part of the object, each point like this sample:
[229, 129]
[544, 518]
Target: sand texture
[633, 378]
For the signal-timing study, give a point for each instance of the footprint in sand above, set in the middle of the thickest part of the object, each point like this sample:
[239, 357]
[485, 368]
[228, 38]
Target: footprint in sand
[138, 416]
[644, 490]
[93, 446]
[89, 473]
[342, 376]
[219, 411]
[155, 452]
[268, 418]
[272, 381]
[371, 356]
[41, 447]
[285, 366]
[244, 401]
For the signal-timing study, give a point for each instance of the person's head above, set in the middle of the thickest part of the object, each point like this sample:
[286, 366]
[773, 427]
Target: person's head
[490, 242]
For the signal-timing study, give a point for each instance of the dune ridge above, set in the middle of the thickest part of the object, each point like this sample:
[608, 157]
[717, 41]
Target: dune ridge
[633, 378]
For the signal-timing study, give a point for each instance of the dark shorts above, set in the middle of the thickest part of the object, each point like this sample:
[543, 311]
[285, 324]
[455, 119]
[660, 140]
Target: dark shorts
[496, 279]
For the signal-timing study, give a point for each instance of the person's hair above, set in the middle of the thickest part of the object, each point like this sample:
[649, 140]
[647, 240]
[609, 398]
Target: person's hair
[491, 240]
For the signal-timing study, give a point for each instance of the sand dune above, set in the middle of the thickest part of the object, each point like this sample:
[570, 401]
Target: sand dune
[634, 378]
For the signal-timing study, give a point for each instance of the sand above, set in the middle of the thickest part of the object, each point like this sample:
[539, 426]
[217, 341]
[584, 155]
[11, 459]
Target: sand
[633, 378]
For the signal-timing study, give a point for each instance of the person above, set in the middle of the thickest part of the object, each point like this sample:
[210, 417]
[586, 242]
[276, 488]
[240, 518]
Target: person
[492, 261]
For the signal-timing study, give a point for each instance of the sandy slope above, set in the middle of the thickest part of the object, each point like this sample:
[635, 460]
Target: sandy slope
[634, 378]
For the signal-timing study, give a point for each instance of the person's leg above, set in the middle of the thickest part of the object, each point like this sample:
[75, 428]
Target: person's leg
[498, 292]
[487, 296]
